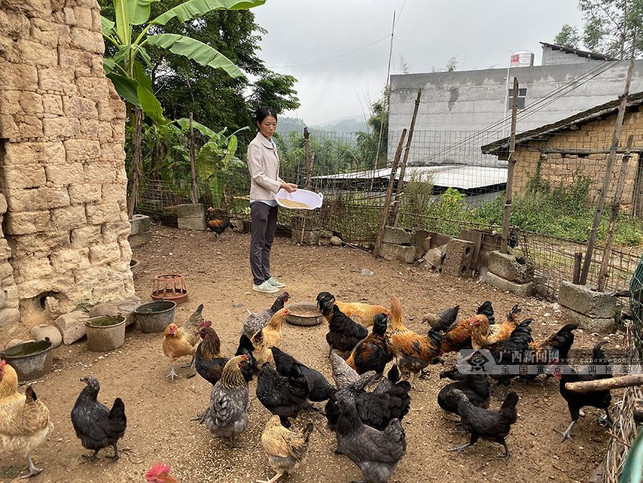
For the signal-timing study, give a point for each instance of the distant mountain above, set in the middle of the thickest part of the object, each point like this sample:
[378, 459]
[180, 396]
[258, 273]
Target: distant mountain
[346, 125]
[349, 124]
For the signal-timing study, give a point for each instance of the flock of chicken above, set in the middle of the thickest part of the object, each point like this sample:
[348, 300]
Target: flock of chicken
[364, 408]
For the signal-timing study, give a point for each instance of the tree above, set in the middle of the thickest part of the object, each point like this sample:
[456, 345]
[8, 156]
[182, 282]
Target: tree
[182, 85]
[611, 27]
[568, 37]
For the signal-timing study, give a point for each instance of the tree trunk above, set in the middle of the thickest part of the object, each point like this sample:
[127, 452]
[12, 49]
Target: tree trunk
[132, 199]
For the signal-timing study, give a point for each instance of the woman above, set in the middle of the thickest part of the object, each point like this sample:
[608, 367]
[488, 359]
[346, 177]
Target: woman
[263, 164]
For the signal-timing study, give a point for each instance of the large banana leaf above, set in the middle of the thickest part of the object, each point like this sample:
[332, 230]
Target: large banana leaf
[195, 50]
[184, 122]
[107, 26]
[123, 21]
[140, 11]
[151, 105]
[195, 8]
[143, 79]
[126, 87]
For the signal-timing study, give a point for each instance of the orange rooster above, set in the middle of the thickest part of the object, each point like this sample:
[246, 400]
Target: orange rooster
[483, 334]
[361, 313]
[160, 473]
[413, 351]
[458, 337]
[24, 420]
[269, 336]
[216, 222]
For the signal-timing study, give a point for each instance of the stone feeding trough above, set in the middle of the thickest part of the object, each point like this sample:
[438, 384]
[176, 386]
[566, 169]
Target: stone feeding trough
[31, 360]
[306, 314]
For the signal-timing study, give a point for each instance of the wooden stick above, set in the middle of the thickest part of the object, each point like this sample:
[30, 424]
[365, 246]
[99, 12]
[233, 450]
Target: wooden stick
[607, 177]
[400, 184]
[510, 170]
[605, 384]
[616, 206]
[389, 192]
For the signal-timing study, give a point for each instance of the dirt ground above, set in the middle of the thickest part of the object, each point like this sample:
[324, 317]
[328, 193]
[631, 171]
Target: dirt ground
[217, 274]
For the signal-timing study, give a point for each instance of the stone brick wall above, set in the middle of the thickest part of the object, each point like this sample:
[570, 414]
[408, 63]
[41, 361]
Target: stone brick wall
[62, 168]
[560, 168]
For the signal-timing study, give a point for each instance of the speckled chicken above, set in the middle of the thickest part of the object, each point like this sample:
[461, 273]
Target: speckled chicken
[285, 448]
[254, 322]
[24, 420]
[227, 414]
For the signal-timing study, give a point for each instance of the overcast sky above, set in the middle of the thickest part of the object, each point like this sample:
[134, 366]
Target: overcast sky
[338, 49]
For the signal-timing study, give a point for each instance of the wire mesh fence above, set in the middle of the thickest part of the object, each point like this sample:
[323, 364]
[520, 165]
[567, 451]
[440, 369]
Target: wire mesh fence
[636, 305]
[448, 186]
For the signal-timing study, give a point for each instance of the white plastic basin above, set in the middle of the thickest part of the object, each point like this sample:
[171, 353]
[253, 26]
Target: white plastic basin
[310, 198]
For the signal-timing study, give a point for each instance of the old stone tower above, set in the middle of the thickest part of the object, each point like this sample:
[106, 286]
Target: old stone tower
[62, 174]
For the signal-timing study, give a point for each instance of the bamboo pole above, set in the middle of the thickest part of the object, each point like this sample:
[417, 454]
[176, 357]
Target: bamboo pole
[389, 192]
[195, 192]
[309, 168]
[400, 184]
[136, 162]
[510, 170]
[616, 206]
[605, 384]
[608, 174]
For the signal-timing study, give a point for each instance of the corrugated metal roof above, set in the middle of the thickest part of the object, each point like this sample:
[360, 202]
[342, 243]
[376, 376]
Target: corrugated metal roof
[454, 176]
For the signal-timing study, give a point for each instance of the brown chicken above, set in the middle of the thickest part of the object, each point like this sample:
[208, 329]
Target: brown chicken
[483, 334]
[24, 420]
[160, 473]
[413, 351]
[360, 312]
[217, 222]
[208, 360]
[269, 336]
[457, 337]
[182, 341]
[372, 353]
[285, 448]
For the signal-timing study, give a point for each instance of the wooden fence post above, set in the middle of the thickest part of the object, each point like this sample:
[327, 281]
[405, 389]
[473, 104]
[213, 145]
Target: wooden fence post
[400, 184]
[195, 191]
[389, 192]
[510, 170]
[616, 206]
[608, 174]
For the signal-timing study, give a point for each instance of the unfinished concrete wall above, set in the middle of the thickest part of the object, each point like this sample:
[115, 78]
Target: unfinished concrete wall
[62, 161]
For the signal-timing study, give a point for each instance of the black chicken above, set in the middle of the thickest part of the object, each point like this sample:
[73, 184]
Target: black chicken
[442, 320]
[246, 349]
[490, 424]
[284, 396]
[511, 352]
[319, 389]
[343, 332]
[375, 409]
[486, 309]
[375, 452]
[372, 353]
[209, 361]
[474, 386]
[576, 400]
[95, 424]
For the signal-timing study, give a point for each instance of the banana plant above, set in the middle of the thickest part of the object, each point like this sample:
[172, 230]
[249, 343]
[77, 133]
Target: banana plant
[216, 160]
[128, 68]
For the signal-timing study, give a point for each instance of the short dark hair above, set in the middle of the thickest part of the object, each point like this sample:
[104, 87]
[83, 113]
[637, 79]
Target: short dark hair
[264, 112]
